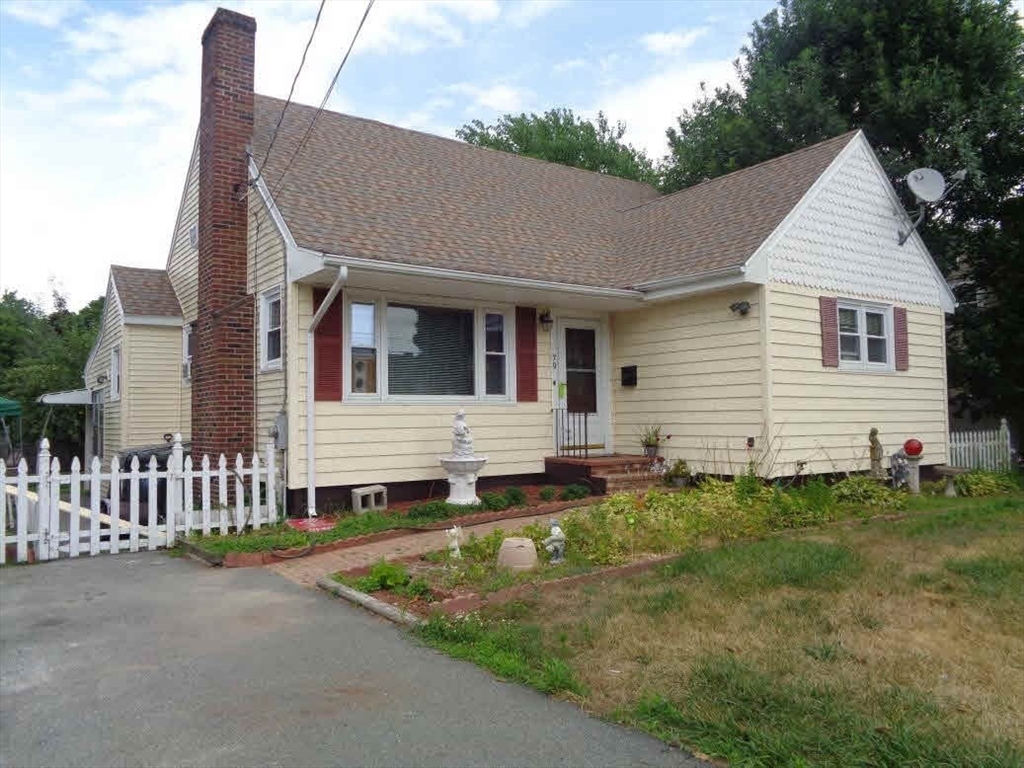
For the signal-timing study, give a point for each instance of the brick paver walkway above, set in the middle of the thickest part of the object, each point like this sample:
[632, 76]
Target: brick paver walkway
[306, 570]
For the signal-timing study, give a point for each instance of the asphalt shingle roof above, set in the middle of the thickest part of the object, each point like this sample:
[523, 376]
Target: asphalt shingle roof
[145, 291]
[366, 189]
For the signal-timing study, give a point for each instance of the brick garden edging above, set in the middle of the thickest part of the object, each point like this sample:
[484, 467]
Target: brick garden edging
[254, 559]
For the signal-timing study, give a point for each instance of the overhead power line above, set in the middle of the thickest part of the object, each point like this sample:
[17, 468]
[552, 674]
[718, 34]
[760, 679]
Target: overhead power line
[330, 89]
[291, 92]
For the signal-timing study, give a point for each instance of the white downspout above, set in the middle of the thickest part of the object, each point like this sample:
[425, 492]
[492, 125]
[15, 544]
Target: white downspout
[311, 391]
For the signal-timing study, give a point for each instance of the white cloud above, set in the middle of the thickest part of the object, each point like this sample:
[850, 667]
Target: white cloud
[45, 14]
[569, 65]
[498, 98]
[91, 171]
[672, 43]
[650, 106]
[522, 13]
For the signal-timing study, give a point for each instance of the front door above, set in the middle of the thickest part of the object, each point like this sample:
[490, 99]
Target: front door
[577, 370]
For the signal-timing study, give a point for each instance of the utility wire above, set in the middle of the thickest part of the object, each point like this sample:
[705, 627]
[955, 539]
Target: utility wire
[291, 92]
[323, 103]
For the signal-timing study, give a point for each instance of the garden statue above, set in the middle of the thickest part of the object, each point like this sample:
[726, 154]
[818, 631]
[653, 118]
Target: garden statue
[454, 535]
[877, 452]
[462, 465]
[555, 543]
[899, 467]
[462, 438]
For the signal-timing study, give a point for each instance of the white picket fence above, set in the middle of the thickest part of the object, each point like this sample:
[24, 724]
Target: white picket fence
[981, 448]
[35, 520]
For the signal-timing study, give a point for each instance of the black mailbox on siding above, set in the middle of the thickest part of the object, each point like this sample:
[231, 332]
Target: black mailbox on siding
[629, 375]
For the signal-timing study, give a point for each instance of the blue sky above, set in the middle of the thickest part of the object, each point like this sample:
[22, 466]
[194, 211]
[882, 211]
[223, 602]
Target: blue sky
[99, 100]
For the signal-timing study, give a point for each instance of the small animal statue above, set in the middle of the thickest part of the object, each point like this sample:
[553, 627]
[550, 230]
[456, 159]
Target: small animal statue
[899, 468]
[877, 452]
[454, 535]
[555, 543]
[462, 437]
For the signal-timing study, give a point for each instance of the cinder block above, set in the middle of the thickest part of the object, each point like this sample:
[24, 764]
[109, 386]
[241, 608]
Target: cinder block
[369, 498]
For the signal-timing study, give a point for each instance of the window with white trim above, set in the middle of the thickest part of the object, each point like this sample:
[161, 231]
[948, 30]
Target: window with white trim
[115, 373]
[419, 350]
[865, 336]
[270, 329]
[188, 340]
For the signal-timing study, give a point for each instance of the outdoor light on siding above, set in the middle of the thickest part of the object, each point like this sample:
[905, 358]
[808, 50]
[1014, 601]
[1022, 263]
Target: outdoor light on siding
[545, 319]
[743, 307]
[101, 379]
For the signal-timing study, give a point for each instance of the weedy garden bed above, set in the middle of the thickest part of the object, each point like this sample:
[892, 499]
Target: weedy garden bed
[887, 641]
[281, 541]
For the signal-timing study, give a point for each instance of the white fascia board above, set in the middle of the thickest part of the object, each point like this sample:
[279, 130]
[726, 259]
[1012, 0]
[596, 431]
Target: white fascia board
[153, 320]
[702, 282]
[111, 293]
[948, 300]
[332, 260]
[759, 263]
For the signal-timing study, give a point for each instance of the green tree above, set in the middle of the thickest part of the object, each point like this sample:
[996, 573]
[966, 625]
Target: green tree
[559, 136]
[41, 353]
[936, 83]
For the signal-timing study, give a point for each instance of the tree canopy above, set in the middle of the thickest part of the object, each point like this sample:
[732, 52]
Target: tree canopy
[559, 136]
[41, 353]
[933, 83]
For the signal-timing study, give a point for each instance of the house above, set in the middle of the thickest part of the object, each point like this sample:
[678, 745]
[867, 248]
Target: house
[345, 296]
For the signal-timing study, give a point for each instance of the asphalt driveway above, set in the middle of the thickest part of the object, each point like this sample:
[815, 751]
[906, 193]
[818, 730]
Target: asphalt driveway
[148, 660]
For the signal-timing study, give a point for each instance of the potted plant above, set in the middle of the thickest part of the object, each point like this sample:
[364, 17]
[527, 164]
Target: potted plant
[651, 439]
[678, 474]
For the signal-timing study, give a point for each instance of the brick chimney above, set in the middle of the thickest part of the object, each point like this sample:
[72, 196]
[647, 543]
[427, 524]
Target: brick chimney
[222, 379]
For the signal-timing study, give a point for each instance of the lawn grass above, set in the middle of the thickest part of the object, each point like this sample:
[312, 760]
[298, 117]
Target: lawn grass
[895, 642]
[282, 536]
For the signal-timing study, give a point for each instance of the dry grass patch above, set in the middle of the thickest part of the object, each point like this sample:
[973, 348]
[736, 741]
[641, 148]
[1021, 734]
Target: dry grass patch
[887, 643]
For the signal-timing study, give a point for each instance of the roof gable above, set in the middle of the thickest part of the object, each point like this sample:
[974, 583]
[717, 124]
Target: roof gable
[843, 238]
[145, 292]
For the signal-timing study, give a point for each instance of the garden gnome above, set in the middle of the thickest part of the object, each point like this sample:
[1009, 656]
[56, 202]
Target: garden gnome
[454, 534]
[555, 543]
[877, 452]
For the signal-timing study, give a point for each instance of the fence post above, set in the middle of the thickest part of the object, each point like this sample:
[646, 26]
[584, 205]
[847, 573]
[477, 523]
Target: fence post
[95, 491]
[21, 511]
[254, 484]
[115, 503]
[271, 484]
[186, 497]
[43, 506]
[1004, 443]
[153, 507]
[54, 508]
[74, 528]
[239, 494]
[206, 495]
[175, 488]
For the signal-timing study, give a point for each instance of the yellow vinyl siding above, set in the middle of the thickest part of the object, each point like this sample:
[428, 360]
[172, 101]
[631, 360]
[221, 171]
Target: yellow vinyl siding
[153, 404]
[266, 270]
[699, 376]
[823, 415]
[183, 272]
[111, 336]
[387, 443]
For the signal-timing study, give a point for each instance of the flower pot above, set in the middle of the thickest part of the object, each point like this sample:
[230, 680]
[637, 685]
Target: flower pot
[680, 482]
[650, 451]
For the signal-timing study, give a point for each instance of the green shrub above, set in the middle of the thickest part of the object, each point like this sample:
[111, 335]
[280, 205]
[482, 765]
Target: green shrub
[980, 482]
[483, 549]
[383, 575]
[866, 491]
[419, 587]
[493, 501]
[813, 504]
[679, 470]
[548, 493]
[573, 492]
[515, 496]
[748, 485]
[436, 510]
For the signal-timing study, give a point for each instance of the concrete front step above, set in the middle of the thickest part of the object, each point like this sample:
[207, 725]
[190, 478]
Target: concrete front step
[620, 468]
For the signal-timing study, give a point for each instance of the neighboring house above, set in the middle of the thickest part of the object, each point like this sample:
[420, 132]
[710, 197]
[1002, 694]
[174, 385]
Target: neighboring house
[371, 280]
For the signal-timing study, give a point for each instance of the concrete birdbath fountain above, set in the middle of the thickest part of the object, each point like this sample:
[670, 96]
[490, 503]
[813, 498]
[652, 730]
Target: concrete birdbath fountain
[463, 465]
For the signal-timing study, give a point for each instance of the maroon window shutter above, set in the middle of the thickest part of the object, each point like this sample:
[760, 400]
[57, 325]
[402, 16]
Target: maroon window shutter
[526, 354]
[327, 349]
[829, 311]
[899, 323]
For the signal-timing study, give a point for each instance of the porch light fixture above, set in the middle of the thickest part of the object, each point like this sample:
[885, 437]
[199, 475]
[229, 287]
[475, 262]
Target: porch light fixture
[101, 379]
[545, 319]
[743, 307]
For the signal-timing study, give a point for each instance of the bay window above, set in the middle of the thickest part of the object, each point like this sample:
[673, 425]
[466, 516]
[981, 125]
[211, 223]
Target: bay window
[416, 350]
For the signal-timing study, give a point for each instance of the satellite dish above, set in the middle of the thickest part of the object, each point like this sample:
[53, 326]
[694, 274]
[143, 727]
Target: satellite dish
[927, 185]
